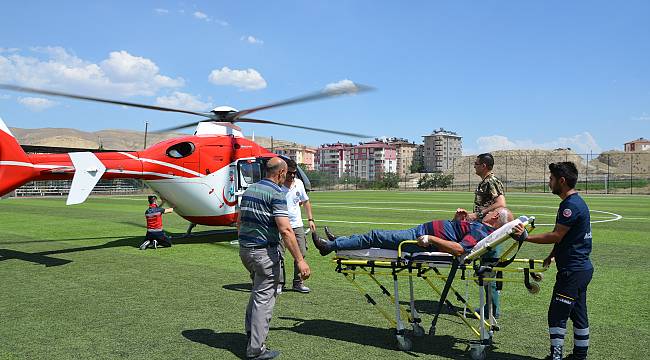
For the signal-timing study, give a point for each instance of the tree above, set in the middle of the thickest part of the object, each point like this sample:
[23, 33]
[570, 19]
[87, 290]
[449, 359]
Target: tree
[435, 181]
[389, 180]
[417, 166]
[320, 178]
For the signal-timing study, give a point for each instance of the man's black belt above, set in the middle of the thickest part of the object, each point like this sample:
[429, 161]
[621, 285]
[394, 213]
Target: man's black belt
[262, 246]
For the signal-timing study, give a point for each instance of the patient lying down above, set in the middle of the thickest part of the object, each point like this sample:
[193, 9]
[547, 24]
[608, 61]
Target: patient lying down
[455, 237]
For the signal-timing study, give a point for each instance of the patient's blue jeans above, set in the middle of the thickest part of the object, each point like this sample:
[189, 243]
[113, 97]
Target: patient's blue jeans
[384, 239]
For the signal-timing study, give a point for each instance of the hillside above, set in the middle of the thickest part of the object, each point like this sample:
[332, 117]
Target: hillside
[520, 165]
[110, 139]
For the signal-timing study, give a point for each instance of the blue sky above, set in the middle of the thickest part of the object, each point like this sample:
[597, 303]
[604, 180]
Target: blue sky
[502, 74]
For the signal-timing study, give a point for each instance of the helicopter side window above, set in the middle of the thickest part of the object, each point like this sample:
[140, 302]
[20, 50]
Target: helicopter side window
[181, 150]
[251, 172]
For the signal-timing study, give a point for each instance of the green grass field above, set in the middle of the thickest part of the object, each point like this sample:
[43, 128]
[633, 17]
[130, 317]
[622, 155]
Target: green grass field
[74, 285]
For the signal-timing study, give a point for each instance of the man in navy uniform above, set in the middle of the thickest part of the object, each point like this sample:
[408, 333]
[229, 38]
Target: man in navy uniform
[155, 234]
[572, 245]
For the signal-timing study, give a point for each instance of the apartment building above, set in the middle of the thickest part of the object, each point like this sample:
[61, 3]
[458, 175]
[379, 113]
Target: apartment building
[441, 148]
[299, 153]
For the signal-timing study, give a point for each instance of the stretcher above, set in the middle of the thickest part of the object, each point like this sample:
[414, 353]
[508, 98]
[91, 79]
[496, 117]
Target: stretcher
[439, 270]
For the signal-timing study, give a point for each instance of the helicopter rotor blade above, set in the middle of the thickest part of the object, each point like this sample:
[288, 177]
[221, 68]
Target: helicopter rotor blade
[353, 89]
[260, 121]
[227, 120]
[108, 101]
[179, 127]
[195, 123]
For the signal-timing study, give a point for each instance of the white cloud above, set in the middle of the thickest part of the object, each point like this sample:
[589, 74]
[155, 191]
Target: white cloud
[5, 96]
[205, 17]
[252, 40]
[56, 68]
[580, 143]
[8, 50]
[201, 16]
[161, 11]
[645, 117]
[249, 79]
[37, 104]
[341, 87]
[183, 101]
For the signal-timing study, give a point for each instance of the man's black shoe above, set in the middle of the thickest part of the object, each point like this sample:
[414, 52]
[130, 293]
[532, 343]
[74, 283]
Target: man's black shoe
[575, 357]
[267, 354]
[329, 234]
[321, 244]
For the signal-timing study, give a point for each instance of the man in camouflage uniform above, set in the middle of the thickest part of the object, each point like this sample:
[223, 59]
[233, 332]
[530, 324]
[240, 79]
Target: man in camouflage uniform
[489, 195]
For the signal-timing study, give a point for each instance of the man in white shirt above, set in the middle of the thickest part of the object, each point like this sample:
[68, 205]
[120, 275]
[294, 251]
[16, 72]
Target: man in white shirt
[296, 195]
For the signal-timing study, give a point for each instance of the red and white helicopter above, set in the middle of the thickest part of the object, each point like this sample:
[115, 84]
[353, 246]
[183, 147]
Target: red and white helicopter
[202, 176]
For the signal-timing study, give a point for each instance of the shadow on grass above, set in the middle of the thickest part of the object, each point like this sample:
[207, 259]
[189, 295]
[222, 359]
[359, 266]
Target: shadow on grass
[233, 342]
[6, 254]
[431, 306]
[44, 258]
[441, 345]
[243, 287]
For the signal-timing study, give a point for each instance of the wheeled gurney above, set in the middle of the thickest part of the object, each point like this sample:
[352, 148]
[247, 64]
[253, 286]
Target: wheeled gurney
[443, 267]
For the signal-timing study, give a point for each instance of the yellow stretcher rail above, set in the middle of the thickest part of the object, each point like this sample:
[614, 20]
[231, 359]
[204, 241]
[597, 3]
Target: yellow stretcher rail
[473, 270]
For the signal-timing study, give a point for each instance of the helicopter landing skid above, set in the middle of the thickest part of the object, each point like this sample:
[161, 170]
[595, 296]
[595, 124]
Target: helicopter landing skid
[189, 230]
[208, 232]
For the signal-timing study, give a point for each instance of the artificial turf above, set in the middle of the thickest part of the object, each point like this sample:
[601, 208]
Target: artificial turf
[74, 285]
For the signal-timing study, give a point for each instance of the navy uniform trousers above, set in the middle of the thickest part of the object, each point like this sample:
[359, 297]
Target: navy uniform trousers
[570, 301]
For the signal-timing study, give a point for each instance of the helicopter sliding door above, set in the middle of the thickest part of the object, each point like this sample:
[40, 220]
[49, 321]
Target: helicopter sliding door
[251, 170]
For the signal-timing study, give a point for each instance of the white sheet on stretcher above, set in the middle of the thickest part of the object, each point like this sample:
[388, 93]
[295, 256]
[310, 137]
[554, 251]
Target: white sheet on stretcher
[495, 238]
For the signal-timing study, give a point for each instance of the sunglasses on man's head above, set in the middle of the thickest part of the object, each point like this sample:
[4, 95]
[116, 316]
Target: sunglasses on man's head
[291, 172]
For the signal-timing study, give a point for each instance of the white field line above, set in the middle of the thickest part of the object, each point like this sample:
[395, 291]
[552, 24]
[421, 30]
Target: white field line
[612, 217]
[365, 222]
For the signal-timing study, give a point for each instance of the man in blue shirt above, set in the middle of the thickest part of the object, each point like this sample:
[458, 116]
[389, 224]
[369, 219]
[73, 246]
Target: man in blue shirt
[263, 219]
[455, 237]
[572, 245]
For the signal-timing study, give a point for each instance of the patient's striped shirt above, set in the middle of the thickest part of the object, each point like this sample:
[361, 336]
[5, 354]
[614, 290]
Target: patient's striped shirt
[466, 233]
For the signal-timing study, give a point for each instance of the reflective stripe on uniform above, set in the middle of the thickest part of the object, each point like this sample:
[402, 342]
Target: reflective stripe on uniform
[581, 331]
[557, 342]
[581, 343]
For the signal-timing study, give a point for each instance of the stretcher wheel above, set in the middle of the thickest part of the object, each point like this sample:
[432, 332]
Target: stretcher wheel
[537, 276]
[478, 353]
[404, 343]
[418, 330]
[534, 288]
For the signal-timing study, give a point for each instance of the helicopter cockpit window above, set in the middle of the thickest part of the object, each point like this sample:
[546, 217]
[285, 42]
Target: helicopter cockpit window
[181, 150]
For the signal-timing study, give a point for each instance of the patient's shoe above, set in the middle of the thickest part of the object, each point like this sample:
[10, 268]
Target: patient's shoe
[323, 246]
[329, 234]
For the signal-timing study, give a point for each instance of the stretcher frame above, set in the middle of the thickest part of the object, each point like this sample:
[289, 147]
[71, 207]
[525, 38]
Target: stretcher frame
[473, 268]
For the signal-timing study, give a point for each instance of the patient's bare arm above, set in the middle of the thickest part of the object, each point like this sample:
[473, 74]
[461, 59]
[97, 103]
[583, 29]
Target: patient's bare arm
[447, 246]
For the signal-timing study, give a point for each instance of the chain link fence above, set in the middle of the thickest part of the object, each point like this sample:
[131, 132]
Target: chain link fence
[527, 171]
[62, 187]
